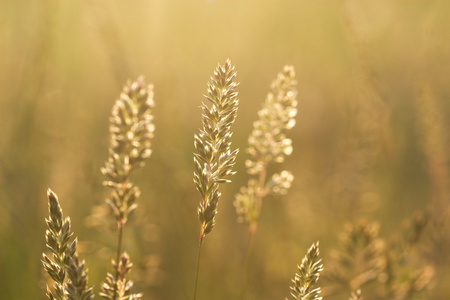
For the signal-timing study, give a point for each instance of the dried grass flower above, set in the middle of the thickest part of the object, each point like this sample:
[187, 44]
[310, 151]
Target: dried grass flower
[307, 276]
[131, 131]
[70, 278]
[268, 143]
[214, 158]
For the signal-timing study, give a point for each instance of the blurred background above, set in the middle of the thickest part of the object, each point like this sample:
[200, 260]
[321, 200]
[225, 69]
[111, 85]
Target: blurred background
[371, 143]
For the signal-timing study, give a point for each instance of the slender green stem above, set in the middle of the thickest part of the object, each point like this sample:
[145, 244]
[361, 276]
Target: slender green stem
[248, 257]
[260, 193]
[198, 262]
[252, 231]
[119, 250]
[119, 243]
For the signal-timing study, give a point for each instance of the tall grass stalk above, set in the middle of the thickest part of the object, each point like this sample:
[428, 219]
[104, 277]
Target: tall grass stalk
[267, 144]
[131, 131]
[214, 158]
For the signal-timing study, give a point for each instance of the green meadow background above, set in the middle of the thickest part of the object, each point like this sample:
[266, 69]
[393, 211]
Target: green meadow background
[371, 140]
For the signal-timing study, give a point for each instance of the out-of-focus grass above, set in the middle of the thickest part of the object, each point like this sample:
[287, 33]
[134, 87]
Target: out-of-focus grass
[63, 64]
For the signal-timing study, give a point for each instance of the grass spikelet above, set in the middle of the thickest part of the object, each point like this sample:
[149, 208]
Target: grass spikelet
[77, 287]
[214, 159]
[307, 276]
[131, 131]
[119, 287]
[70, 278]
[360, 260]
[268, 144]
[268, 141]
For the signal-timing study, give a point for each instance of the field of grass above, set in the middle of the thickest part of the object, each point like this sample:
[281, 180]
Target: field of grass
[370, 157]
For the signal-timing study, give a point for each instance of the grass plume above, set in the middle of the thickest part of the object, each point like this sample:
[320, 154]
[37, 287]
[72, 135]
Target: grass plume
[131, 131]
[214, 158]
[68, 274]
[307, 276]
[360, 260]
[268, 144]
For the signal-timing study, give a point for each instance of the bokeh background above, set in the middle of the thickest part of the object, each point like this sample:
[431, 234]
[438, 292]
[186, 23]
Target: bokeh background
[371, 139]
